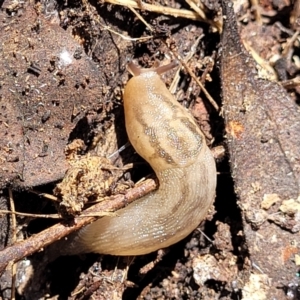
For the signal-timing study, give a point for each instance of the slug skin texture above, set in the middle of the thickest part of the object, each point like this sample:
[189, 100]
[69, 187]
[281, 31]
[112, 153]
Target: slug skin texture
[167, 137]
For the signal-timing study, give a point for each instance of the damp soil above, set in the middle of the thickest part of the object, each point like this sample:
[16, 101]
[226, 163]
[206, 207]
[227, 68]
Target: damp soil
[62, 73]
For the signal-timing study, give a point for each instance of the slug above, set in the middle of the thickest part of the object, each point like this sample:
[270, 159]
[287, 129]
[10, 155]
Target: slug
[167, 137]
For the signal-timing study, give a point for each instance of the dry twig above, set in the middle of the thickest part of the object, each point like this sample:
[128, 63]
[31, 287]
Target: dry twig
[36, 242]
[204, 90]
[183, 13]
[13, 240]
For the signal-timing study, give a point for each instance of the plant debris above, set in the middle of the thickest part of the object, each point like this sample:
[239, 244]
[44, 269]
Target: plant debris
[62, 74]
[264, 149]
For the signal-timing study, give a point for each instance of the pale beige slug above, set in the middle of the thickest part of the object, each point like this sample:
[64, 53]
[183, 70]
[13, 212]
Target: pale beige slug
[167, 137]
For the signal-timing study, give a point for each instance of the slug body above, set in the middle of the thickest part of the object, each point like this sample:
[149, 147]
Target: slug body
[167, 137]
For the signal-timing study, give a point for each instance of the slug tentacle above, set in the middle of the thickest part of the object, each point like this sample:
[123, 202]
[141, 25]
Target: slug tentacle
[136, 71]
[167, 137]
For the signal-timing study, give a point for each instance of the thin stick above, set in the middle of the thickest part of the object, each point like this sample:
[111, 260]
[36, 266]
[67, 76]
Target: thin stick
[210, 240]
[119, 150]
[290, 43]
[255, 7]
[176, 79]
[15, 213]
[38, 241]
[48, 196]
[204, 90]
[141, 18]
[128, 38]
[197, 9]
[183, 13]
[218, 25]
[291, 83]
[269, 70]
[13, 240]
[206, 93]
